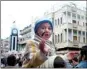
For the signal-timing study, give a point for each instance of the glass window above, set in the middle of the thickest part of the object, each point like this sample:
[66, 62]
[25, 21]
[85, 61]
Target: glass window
[83, 33]
[58, 21]
[69, 13]
[86, 24]
[74, 15]
[79, 33]
[55, 22]
[78, 16]
[82, 17]
[79, 38]
[64, 13]
[70, 35]
[74, 37]
[83, 23]
[83, 39]
[78, 22]
[61, 20]
[74, 31]
[55, 38]
[58, 37]
[73, 21]
[61, 37]
[86, 18]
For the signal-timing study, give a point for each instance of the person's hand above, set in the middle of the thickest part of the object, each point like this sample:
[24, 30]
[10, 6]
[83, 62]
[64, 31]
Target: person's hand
[42, 47]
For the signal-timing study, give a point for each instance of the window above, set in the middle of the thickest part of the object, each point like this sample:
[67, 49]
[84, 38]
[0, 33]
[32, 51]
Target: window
[86, 37]
[55, 22]
[74, 37]
[75, 31]
[55, 38]
[78, 16]
[73, 21]
[64, 13]
[86, 24]
[79, 32]
[83, 39]
[78, 22]
[70, 35]
[86, 18]
[58, 37]
[69, 14]
[83, 23]
[61, 37]
[58, 21]
[83, 33]
[73, 15]
[79, 38]
[61, 20]
[82, 17]
[13, 43]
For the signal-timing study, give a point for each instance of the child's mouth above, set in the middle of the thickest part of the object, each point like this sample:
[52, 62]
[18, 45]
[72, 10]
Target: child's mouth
[46, 35]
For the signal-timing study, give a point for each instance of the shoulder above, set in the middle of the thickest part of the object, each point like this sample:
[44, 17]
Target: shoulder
[82, 65]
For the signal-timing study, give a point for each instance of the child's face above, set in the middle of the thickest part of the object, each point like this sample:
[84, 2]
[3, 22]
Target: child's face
[44, 31]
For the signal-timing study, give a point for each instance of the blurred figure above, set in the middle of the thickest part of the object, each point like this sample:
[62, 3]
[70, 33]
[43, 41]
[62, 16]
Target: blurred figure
[83, 58]
[55, 61]
[11, 61]
[3, 62]
[74, 61]
[59, 63]
[19, 60]
[67, 59]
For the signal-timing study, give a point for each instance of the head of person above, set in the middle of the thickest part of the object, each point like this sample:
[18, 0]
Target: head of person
[11, 60]
[59, 62]
[43, 28]
[83, 53]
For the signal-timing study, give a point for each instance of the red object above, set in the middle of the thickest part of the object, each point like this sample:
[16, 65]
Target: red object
[72, 54]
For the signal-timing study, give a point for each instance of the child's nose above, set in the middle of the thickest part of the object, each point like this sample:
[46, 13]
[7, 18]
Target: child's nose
[47, 29]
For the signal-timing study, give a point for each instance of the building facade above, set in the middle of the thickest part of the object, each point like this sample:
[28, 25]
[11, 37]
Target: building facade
[5, 46]
[26, 34]
[14, 38]
[70, 27]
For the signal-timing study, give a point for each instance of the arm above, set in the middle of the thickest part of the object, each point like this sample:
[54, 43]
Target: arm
[34, 56]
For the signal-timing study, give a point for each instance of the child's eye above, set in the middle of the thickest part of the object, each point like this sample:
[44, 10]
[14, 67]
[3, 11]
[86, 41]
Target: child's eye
[42, 28]
[49, 28]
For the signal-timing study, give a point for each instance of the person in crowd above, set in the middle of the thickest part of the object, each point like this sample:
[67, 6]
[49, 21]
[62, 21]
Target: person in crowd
[83, 58]
[56, 61]
[19, 60]
[11, 61]
[59, 63]
[3, 62]
[39, 49]
[73, 62]
[67, 59]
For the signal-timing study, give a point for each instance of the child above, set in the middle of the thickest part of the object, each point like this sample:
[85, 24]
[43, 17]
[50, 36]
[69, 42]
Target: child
[38, 49]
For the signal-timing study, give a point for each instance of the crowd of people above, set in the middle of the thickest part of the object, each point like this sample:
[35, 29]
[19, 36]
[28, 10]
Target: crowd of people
[40, 53]
[11, 61]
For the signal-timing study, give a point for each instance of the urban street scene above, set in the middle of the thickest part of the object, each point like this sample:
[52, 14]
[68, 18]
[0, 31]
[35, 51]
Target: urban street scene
[43, 34]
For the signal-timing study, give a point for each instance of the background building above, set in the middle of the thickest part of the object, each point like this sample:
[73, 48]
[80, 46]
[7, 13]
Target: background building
[14, 38]
[5, 45]
[26, 34]
[70, 27]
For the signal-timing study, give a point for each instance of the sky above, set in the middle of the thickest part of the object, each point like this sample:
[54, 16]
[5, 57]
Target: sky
[23, 12]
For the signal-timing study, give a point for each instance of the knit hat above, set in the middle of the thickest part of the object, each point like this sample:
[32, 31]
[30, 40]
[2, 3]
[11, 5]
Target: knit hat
[39, 22]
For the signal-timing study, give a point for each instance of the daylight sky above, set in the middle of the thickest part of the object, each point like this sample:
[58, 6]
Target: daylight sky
[23, 12]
